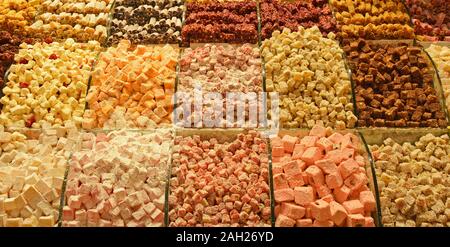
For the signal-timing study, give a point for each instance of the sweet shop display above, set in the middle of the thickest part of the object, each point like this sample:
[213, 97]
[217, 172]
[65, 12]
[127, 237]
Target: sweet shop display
[118, 179]
[321, 179]
[9, 46]
[220, 179]
[81, 20]
[17, 15]
[431, 19]
[224, 113]
[229, 22]
[441, 58]
[309, 73]
[132, 87]
[394, 85]
[278, 14]
[147, 22]
[32, 167]
[413, 180]
[48, 84]
[372, 19]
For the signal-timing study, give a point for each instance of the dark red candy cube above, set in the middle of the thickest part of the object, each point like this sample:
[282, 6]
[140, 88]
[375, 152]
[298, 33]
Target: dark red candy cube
[30, 121]
[24, 84]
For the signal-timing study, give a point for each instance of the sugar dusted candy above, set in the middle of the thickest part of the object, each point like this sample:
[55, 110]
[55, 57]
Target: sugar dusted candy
[32, 168]
[132, 87]
[220, 181]
[48, 84]
[118, 179]
[326, 191]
